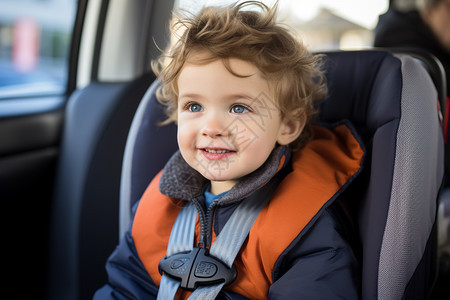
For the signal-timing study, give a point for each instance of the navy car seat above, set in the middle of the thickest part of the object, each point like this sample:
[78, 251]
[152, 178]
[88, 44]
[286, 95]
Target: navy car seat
[85, 205]
[391, 100]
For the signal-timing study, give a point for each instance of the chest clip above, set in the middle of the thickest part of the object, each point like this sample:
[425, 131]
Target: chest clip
[196, 268]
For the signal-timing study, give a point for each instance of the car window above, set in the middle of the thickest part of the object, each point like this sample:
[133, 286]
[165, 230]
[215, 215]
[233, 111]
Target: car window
[35, 40]
[321, 24]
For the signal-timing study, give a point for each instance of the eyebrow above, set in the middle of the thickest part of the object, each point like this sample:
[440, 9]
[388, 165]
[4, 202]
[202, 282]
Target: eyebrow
[189, 95]
[242, 96]
[231, 96]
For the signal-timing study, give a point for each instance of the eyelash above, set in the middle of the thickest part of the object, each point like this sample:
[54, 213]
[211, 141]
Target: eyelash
[188, 106]
[240, 105]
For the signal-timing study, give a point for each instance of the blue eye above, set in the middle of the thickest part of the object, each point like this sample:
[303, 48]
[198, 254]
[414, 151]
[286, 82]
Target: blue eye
[195, 107]
[239, 109]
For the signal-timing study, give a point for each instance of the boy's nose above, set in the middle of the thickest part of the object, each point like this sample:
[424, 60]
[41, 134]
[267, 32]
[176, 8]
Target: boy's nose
[214, 127]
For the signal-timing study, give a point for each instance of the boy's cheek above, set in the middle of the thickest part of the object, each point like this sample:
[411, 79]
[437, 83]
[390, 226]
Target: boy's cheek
[182, 134]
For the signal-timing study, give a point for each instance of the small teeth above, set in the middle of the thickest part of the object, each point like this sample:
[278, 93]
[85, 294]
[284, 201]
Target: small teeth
[217, 151]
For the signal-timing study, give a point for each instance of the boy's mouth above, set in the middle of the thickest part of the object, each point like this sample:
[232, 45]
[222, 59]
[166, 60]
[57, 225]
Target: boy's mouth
[216, 153]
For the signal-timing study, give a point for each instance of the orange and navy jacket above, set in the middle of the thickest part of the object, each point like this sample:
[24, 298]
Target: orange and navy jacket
[300, 246]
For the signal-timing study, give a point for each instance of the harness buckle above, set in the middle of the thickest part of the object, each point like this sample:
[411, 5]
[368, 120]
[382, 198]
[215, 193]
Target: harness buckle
[196, 268]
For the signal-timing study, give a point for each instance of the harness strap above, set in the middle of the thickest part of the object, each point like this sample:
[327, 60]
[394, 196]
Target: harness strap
[227, 244]
[230, 240]
[181, 240]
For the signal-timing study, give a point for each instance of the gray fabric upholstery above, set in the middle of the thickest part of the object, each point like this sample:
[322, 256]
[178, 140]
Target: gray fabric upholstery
[418, 173]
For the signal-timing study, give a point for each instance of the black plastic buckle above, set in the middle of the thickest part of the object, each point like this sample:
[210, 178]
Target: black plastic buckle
[197, 268]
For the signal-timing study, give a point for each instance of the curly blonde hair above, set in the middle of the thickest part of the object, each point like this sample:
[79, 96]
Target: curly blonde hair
[251, 35]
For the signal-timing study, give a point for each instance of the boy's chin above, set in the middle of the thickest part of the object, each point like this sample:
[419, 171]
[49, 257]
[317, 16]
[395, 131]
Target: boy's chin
[216, 178]
[222, 177]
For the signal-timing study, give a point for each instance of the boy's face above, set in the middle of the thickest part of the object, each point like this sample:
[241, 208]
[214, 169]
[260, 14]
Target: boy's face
[227, 125]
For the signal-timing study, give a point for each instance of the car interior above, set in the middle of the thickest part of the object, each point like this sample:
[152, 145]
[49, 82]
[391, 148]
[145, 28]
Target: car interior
[73, 165]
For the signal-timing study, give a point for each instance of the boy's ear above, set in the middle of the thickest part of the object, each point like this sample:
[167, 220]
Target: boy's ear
[291, 130]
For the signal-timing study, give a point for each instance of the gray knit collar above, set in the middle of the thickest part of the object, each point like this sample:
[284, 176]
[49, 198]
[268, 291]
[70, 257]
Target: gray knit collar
[180, 181]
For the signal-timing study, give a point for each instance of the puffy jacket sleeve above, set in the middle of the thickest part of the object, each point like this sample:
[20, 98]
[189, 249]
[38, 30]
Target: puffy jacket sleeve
[127, 276]
[320, 264]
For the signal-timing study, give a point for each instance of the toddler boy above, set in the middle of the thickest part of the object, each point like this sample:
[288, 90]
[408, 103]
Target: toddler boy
[242, 91]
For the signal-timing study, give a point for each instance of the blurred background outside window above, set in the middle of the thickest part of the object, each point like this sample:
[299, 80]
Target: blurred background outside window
[321, 24]
[35, 40]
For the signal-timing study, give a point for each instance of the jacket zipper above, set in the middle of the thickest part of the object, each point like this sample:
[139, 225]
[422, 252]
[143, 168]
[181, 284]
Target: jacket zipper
[206, 223]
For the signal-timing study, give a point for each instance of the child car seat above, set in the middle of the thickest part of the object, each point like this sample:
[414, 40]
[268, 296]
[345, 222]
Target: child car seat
[391, 100]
